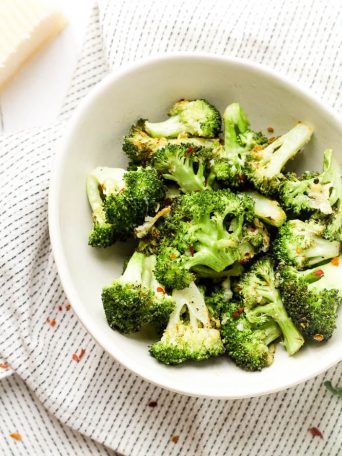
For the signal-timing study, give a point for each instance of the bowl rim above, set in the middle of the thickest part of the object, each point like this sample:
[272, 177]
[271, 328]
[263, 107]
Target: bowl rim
[53, 209]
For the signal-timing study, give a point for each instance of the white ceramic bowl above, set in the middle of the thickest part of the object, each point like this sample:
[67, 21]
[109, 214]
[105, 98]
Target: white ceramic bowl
[146, 89]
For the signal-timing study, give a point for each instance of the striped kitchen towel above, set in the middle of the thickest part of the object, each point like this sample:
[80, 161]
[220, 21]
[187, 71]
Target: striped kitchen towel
[67, 396]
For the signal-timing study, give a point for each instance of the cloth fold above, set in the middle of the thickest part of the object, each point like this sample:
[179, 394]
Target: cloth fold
[40, 333]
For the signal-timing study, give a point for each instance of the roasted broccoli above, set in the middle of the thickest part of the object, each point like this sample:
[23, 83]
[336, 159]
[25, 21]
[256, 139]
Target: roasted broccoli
[249, 346]
[102, 182]
[140, 147]
[184, 165]
[267, 210]
[262, 302]
[301, 244]
[187, 118]
[265, 164]
[229, 164]
[140, 195]
[189, 334]
[213, 229]
[314, 192]
[136, 298]
[312, 297]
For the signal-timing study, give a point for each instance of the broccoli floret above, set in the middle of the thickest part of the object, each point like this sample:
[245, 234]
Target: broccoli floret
[189, 334]
[184, 165]
[140, 147]
[264, 164]
[213, 229]
[314, 192]
[102, 182]
[301, 244]
[229, 165]
[188, 118]
[136, 298]
[312, 298]
[217, 300]
[249, 346]
[262, 302]
[267, 210]
[140, 196]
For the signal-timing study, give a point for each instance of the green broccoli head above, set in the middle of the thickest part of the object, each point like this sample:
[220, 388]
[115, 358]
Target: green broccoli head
[249, 346]
[312, 298]
[189, 334]
[183, 164]
[139, 197]
[102, 182]
[136, 298]
[265, 164]
[313, 192]
[188, 118]
[211, 229]
[267, 210]
[262, 302]
[229, 166]
[301, 244]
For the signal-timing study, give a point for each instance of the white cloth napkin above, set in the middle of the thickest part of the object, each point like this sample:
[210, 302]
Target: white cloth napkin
[96, 396]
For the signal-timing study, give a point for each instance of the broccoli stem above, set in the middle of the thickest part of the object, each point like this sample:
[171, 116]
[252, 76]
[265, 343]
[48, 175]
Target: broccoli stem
[322, 250]
[93, 192]
[235, 124]
[134, 270]
[267, 209]
[293, 340]
[280, 151]
[270, 331]
[169, 128]
[183, 173]
[325, 277]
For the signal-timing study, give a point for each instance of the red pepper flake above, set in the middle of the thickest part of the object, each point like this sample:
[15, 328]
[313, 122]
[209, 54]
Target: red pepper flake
[318, 273]
[318, 337]
[60, 308]
[152, 404]
[175, 438]
[16, 436]
[52, 322]
[173, 256]
[76, 357]
[270, 129]
[335, 261]
[4, 365]
[67, 306]
[238, 312]
[192, 250]
[160, 290]
[189, 150]
[315, 432]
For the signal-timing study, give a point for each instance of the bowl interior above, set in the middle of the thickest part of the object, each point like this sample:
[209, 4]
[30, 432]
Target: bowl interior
[94, 139]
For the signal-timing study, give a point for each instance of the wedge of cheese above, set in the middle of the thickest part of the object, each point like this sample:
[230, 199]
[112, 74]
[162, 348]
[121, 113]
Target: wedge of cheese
[26, 26]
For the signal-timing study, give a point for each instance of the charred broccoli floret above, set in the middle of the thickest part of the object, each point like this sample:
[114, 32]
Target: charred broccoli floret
[249, 346]
[184, 165]
[211, 229]
[188, 118]
[314, 192]
[140, 195]
[301, 244]
[262, 302]
[189, 334]
[312, 298]
[136, 298]
[102, 182]
[267, 210]
[229, 165]
[140, 147]
[265, 164]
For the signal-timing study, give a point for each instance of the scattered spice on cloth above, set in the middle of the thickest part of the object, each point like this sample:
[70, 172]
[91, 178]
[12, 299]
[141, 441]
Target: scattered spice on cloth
[77, 357]
[4, 365]
[16, 436]
[152, 404]
[51, 322]
[175, 438]
[315, 432]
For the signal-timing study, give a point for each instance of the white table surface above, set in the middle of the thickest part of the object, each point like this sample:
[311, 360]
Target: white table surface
[35, 96]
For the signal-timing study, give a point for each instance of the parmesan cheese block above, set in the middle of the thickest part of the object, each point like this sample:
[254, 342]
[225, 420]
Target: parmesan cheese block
[26, 26]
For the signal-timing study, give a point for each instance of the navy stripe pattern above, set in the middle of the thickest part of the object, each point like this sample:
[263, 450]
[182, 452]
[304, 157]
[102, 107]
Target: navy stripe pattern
[61, 406]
